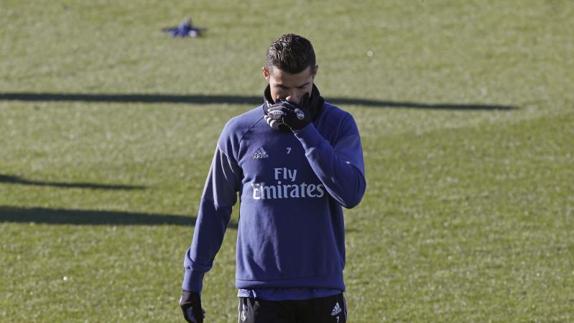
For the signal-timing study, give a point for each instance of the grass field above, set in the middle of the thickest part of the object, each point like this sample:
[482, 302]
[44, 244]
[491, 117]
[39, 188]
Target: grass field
[466, 110]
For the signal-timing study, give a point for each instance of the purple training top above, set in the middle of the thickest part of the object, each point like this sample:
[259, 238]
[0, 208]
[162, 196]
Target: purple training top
[292, 187]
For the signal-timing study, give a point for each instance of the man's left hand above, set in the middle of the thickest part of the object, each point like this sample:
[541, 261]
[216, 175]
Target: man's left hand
[190, 304]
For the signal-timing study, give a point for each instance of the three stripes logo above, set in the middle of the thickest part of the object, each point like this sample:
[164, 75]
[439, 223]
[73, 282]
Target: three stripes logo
[336, 310]
[260, 154]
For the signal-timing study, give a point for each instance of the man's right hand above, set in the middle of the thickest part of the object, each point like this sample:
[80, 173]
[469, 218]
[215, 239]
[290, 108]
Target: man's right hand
[190, 303]
[288, 114]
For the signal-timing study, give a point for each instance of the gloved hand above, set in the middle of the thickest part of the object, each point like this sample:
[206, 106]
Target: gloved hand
[274, 115]
[190, 303]
[293, 116]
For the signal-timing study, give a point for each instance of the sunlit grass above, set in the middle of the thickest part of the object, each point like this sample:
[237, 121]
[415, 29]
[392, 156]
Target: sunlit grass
[468, 212]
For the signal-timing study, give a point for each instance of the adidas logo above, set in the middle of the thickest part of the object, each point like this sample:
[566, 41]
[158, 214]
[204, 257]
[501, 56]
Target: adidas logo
[260, 154]
[336, 310]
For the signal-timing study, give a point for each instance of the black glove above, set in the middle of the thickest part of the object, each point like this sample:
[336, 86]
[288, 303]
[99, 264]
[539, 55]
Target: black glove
[285, 115]
[274, 116]
[293, 116]
[190, 303]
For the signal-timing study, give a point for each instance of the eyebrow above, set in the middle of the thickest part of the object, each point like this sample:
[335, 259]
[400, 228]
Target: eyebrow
[300, 86]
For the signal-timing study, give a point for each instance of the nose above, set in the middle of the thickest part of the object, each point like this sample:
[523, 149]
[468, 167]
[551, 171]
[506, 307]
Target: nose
[292, 98]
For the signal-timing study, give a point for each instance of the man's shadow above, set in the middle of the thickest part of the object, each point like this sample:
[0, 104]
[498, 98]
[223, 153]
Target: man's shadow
[40, 215]
[12, 214]
[200, 99]
[96, 217]
[17, 180]
[9, 214]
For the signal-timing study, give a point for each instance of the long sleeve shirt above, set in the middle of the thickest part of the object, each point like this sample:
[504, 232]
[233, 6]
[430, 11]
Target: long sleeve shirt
[292, 187]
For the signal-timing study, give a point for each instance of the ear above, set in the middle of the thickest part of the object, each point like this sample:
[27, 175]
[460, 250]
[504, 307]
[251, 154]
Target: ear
[314, 70]
[266, 73]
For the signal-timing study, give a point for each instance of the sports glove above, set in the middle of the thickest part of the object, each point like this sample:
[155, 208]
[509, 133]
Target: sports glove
[190, 303]
[274, 115]
[293, 116]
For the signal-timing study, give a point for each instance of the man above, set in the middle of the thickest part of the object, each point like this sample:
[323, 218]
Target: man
[295, 161]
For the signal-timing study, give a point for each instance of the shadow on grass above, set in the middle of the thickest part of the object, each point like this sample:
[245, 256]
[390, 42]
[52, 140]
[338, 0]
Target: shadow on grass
[10, 214]
[230, 99]
[9, 179]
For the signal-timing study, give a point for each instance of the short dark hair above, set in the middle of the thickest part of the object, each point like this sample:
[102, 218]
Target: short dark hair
[291, 53]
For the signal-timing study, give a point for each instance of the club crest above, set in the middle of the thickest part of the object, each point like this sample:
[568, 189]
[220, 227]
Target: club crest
[300, 114]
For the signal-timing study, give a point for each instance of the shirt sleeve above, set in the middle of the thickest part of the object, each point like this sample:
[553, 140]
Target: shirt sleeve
[339, 166]
[219, 196]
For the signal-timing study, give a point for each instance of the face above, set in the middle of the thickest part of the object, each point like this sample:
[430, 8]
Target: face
[287, 86]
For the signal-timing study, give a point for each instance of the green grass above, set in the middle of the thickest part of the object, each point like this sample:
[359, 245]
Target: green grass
[468, 215]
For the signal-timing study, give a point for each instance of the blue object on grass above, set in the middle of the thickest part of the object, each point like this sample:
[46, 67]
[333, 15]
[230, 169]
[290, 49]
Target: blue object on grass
[184, 29]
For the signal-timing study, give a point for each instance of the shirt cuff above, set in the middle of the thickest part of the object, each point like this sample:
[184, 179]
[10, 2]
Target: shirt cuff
[192, 281]
[309, 136]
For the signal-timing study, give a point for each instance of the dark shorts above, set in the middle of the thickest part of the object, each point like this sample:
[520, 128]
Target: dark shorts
[330, 309]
